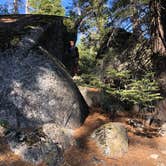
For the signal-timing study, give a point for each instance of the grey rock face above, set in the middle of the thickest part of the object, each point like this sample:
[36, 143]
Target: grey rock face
[111, 139]
[2, 131]
[35, 88]
[36, 91]
[92, 98]
[63, 136]
[35, 148]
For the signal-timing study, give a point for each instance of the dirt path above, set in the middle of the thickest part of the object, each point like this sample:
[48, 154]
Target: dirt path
[143, 151]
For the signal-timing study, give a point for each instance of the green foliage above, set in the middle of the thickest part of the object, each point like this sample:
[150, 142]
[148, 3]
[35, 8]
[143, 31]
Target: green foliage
[134, 10]
[70, 24]
[87, 63]
[143, 91]
[91, 20]
[88, 67]
[127, 8]
[50, 7]
[89, 80]
[114, 74]
[15, 40]
[130, 80]
[4, 9]
[4, 123]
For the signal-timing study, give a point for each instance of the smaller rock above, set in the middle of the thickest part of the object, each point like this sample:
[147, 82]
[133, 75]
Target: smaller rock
[97, 161]
[2, 131]
[60, 135]
[162, 131]
[111, 139]
[35, 148]
[93, 97]
[135, 123]
[154, 156]
[160, 164]
[163, 152]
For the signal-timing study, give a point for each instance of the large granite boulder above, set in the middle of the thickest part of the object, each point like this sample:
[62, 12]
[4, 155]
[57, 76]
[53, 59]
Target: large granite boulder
[111, 139]
[36, 91]
[35, 88]
[35, 148]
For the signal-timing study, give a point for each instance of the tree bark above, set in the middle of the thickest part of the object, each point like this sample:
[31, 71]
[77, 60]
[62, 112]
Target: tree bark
[158, 26]
[15, 7]
[26, 7]
[135, 19]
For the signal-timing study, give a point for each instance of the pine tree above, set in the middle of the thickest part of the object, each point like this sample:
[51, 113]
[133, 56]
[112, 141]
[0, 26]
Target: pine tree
[26, 7]
[133, 10]
[50, 7]
[158, 26]
[15, 9]
[91, 18]
[4, 9]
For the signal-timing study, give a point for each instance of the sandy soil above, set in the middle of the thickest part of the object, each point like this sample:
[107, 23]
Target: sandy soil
[141, 147]
[143, 151]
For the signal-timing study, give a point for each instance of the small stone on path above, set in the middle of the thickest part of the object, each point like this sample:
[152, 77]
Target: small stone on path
[161, 164]
[163, 151]
[154, 156]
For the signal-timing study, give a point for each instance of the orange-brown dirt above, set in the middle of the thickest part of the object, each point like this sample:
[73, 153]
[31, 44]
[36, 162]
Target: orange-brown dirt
[7, 158]
[141, 147]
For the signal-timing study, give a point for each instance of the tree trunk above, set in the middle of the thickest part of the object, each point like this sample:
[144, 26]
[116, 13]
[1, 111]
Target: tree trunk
[15, 7]
[26, 7]
[136, 26]
[158, 26]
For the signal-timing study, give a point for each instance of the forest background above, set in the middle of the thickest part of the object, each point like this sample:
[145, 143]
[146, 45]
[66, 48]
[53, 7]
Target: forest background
[119, 42]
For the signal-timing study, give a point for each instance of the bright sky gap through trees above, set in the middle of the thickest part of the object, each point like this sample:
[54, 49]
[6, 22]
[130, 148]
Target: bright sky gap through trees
[9, 3]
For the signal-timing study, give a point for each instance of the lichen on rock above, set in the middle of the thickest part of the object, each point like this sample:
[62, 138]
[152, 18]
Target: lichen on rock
[112, 139]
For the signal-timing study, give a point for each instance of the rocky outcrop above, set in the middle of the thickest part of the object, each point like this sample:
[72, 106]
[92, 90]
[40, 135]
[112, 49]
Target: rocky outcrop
[52, 33]
[36, 91]
[111, 139]
[34, 147]
[92, 96]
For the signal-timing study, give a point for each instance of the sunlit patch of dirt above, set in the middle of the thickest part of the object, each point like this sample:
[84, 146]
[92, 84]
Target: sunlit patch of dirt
[141, 147]
[93, 121]
[86, 152]
[140, 150]
[87, 155]
[93, 89]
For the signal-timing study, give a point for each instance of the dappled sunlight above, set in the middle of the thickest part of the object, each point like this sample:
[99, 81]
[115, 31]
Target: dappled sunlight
[88, 156]
[46, 79]
[93, 121]
[86, 153]
[7, 158]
